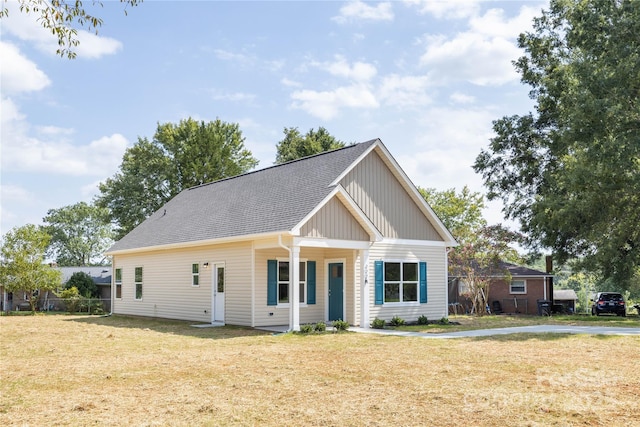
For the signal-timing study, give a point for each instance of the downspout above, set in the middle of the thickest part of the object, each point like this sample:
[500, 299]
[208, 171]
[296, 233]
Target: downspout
[290, 263]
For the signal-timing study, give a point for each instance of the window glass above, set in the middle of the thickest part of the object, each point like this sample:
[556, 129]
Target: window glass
[138, 282]
[195, 275]
[221, 279]
[392, 292]
[410, 292]
[118, 283]
[391, 271]
[410, 272]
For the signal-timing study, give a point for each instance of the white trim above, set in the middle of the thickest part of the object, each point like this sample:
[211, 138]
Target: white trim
[352, 207]
[401, 282]
[214, 289]
[365, 289]
[330, 243]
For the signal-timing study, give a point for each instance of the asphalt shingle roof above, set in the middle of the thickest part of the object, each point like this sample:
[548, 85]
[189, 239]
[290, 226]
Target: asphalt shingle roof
[268, 200]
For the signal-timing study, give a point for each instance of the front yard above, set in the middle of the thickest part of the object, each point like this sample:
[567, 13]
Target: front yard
[81, 370]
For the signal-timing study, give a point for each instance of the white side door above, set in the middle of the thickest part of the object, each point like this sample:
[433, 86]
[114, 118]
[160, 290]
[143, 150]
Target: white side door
[218, 286]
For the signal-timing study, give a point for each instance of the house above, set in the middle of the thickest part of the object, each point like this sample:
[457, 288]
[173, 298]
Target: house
[48, 300]
[342, 235]
[518, 295]
[101, 276]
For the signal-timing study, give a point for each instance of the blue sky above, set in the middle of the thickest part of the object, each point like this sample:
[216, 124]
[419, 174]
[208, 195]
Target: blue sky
[426, 77]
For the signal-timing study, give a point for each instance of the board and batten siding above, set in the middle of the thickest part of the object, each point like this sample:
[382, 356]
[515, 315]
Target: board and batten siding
[334, 221]
[435, 257]
[167, 283]
[385, 201]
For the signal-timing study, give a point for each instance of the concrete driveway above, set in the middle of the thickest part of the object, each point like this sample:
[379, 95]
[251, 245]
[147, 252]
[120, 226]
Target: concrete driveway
[535, 329]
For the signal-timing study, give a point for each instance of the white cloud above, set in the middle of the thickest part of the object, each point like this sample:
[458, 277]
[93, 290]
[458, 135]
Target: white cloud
[359, 71]
[359, 10]
[461, 98]
[481, 55]
[18, 73]
[327, 104]
[446, 9]
[52, 150]
[404, 91]
[290, 83]
[26, 27]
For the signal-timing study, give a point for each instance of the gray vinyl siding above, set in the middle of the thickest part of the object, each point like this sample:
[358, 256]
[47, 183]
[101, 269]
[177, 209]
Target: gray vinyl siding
[167, 290]
[386, 202]
[334, 221]
[436, 306]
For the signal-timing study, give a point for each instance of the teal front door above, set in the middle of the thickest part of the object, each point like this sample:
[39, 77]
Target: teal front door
[336, 291]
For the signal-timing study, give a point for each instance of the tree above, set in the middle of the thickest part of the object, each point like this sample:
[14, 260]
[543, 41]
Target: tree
[460, 213]
[295, 146]
[83, 283]
[180, 156]
[62, 17]
[570, 171]
[482, 248]
[79, 233]
[22, 266]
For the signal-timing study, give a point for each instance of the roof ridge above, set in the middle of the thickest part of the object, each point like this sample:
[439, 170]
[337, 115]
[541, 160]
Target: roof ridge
[352, 145]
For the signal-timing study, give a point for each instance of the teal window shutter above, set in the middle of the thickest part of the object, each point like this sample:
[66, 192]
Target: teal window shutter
[423, 282]
[311, 282]
[378, 283]
[272, 282]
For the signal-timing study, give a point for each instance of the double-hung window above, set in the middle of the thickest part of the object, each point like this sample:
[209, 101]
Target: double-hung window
[118, 283]
[279, 282]
[518, 287]
[400, 282]
[195, 274]
[138, 282]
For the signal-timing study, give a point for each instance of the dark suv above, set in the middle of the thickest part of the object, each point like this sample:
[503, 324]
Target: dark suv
[609, 302]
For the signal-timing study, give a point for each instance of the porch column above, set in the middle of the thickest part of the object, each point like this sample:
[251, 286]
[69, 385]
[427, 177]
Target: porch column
[364, 288]
[294, 280]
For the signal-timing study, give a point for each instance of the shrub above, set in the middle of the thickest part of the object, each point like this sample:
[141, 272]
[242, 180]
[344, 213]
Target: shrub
[320, 327]
[396, 321]
[444, 321]
[306, 329]
[422, 320]
[72, 299]
[377, 323]
[340, 325]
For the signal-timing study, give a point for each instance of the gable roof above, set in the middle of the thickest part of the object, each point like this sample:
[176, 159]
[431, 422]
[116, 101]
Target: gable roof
[519, 271]
[564, 294]
[271, 200]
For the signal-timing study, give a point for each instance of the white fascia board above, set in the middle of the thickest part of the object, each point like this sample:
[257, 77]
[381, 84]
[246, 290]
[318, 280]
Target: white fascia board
[331, 243]
[197, 243]
[351, 206]
[413, 191]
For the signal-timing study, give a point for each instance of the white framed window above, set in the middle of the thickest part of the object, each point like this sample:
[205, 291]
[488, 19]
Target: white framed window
[195, 274]
[400, 282]
[284, 282]
[138, 283]
[118, 283]
[518, 287]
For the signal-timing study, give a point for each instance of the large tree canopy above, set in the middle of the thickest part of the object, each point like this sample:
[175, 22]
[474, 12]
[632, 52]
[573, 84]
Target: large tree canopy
[80, 234]
[570, 171]
[179, 156]
[295, 145]
[63, 17]
[22, 266]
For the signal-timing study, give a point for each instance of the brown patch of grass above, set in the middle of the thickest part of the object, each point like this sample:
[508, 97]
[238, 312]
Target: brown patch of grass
[73, 370]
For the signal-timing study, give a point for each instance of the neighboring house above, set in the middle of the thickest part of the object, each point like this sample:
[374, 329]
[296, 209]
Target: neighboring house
[101, 276]
[339, 235]
[520, 295]
[48, 300]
